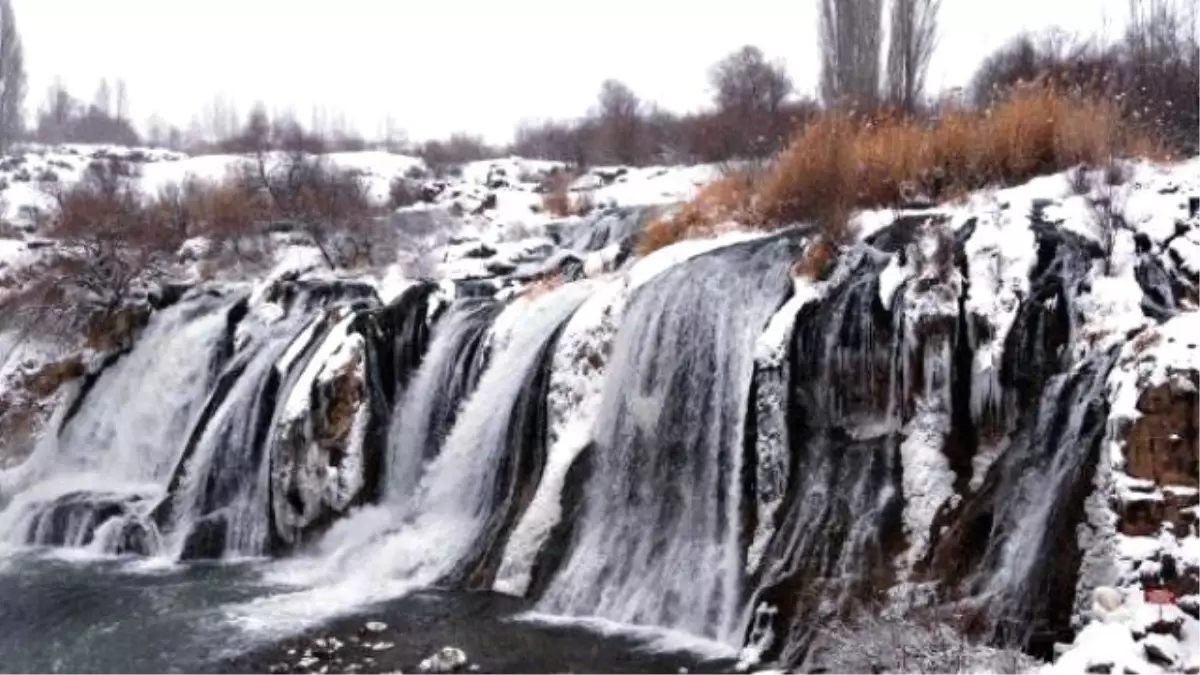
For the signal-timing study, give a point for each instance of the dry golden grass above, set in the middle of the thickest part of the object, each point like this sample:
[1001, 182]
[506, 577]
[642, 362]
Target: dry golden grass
[837, 164]
[542, 286]
[556, 198]
[51, 377]
[724, 199]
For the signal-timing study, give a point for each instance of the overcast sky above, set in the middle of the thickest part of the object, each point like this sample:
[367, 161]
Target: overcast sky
[439, 66]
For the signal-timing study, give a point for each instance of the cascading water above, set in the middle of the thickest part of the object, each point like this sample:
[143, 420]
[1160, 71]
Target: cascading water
[700, 443]
[659, 538]
[468, 496]
[1030, 505]
[115, 452]
[217, 503]
[425, 415]
[842, 488]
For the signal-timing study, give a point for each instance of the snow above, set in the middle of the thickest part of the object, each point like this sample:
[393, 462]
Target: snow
[576, 382]
[1122, 636]
[927, 479]
[512, 169]
[337, 350]
[1113, 307]
[892, 278]
[650, 639]
[1102, 643]
[659, 261]
[644, 186]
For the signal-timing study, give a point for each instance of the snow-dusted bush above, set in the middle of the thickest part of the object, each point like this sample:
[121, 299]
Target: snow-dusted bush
[870, 643]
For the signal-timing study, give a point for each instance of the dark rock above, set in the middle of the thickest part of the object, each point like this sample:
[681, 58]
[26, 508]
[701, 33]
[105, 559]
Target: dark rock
[479, 250]
[1157, 656]
[1163, 627]
[1164, 443]
[206, 541]
[488, 203]
[168, 294]
[500, 267]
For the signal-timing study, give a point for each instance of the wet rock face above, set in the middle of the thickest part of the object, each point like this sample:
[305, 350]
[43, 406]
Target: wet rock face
[1162, 444]
[318, 470]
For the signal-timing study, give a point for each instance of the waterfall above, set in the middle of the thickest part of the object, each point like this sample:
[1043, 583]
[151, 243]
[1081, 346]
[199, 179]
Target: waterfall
[426, 413]
[573, 400]
[115, 452]
[471, 493]
[659, 539]
[842, 490]
[305, 340]
[209, 511]
[698, 442]
[1033, 500]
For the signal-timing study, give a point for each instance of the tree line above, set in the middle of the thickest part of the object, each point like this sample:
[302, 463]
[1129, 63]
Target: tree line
[874, 57]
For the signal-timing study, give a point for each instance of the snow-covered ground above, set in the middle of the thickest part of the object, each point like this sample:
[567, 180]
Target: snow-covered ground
[495, 202]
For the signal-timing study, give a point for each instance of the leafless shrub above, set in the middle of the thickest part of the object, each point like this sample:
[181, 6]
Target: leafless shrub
[418, 235]
[444, 158]
[109, 253]
[556, 196]
[924, 642]
[331, 206]
[1080, 180]
[1106, 205]
[232, 215]
[403, 191]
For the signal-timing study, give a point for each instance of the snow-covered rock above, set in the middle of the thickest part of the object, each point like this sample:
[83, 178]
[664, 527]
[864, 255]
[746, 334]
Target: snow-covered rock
[446, 660]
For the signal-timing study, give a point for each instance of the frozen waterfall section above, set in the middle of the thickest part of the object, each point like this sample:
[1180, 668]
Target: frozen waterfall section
[237, 425]
[702, 440]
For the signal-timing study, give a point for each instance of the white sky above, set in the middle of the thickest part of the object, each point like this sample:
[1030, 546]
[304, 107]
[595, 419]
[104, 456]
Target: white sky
[481, 66]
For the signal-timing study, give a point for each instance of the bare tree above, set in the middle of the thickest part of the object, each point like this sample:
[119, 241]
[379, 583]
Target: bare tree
[109, 252]
[156, 131]
[332, 206]
[12, 77]
[103, 98]
[749, 93]
[121, 100]
[392, 135]
[619, 116]
[911, 43]
[56, 114]
[446, 157]
[220, 120]
[257, 134]
[851, 36]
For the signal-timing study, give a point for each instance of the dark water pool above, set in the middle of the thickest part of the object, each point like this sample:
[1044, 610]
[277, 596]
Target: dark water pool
[64, 615]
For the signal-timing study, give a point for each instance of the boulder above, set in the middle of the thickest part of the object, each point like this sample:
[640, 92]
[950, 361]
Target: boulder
[446, 660]
[1163, 444]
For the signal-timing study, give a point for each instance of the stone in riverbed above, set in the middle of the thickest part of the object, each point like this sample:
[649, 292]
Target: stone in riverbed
[446, 660]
